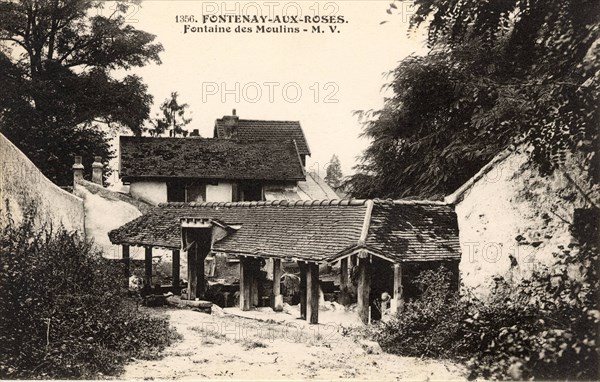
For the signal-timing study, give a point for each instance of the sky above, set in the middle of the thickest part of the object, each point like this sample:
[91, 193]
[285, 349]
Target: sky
[318, 79]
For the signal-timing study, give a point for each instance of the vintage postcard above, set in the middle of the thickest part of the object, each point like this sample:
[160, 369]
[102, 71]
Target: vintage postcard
[298, 190]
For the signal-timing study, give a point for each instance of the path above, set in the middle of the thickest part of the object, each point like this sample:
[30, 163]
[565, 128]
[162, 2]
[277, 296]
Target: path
[229, 347]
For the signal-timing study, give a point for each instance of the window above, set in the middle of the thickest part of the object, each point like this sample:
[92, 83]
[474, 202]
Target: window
[196, 192]
[248, 192]
[179, 191]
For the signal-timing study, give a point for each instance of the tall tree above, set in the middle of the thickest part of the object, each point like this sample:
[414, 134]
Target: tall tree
[173, 118]
[499, 73]
[56, 59]
[334, 175]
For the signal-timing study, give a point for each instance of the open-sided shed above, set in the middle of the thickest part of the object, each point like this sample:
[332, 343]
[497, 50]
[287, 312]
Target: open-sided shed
[309, 232]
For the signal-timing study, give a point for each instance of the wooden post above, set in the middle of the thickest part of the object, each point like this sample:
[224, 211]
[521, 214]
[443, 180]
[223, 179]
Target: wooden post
[302, 266]
[200, 273]
[126, 262]
[196, 272]
[176, 275]
[245, 284]
[254, 288]
[148, 267]
[344, 273]
[312, 295]
[364, 288]
[277, 299]
[191, 264]
[398, 294]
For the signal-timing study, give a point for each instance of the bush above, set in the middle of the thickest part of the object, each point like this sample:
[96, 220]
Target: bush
[427, 325]
[545, 327]
[63, 311]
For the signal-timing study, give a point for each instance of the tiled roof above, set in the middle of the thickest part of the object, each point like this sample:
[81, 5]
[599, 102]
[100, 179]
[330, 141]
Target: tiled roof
[145, 157]
[414, 232]
[309, 230]
[249, 130]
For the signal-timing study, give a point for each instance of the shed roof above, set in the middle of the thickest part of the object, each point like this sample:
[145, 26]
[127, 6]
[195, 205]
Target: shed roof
[250, 130]
[146, 157]
[310, 230]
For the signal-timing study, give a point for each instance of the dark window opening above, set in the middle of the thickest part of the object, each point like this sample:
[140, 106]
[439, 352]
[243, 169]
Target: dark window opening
[178, 191]
[249, 192]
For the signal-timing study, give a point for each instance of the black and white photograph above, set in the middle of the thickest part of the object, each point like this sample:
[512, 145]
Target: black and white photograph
[329, 190]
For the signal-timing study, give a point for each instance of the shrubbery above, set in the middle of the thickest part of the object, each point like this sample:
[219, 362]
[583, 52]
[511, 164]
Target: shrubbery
[63, 313]
[545, 327]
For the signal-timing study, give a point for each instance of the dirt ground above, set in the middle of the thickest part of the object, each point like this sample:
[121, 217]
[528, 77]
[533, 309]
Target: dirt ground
[222, 346]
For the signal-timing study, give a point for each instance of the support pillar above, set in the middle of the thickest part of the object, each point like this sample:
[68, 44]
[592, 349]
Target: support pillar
[126, 263]
[277, 298]
[302, 265]
[191, 265]
[176, 275]
[148, 268]
[196, 272]
[255, 300]
[344, 297]
[397, 302]
[312, 293]
[344, 273]
[200, 284]
[244, 287]
[364, 288]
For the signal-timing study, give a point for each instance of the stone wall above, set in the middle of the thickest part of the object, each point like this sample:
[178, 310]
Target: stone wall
[512, 218]
[23, 186]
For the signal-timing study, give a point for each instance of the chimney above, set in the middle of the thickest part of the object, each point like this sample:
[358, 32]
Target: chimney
[97, 171]
[77, 170]
[230, 123]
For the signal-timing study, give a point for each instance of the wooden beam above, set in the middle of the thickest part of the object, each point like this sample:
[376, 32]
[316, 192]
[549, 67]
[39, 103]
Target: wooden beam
[176, 276]
[312, 293]
[364, 288]
[344, 273]
[200, 284]
[126, 263]
[254, 287]
[302, 266]
[344, 297]
[148, 268]
[244, 292]
[397, 302]
[191, 263]
[277, 298]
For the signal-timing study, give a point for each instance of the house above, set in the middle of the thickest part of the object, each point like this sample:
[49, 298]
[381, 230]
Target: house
[247, 160]
[251, 130]
[389, 242]
[160, 170]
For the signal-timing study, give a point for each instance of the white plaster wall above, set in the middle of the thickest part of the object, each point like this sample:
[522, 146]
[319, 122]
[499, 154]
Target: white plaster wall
[515, 211]
[149, 191]
[221, 192]
[23, 186]
[102, 215]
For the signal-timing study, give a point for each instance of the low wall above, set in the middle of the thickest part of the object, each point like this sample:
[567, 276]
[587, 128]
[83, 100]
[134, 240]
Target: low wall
[23, 186]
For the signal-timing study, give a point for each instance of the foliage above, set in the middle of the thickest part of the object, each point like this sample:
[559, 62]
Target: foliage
[56, 63]
[334, 175]
[499, 73]
[173, 118]
[545, 327]
[62, 309]
[429, 325]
